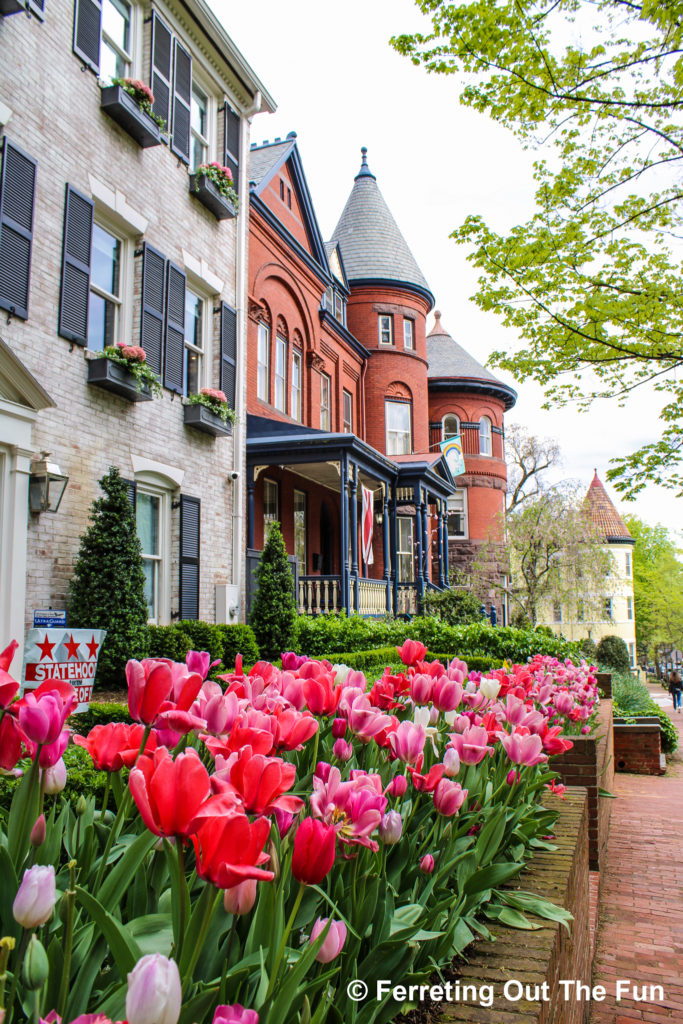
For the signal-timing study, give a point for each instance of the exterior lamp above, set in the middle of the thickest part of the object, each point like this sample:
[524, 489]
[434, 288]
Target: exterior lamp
[46, 486]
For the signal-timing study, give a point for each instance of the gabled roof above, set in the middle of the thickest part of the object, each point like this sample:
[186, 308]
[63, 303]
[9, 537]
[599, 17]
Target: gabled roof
[448, 362]
[264, 163]
[605, 516]
[372, 245]
[18, 385]
[336, 263]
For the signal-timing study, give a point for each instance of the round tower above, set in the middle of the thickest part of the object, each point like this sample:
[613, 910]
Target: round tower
[386, 311]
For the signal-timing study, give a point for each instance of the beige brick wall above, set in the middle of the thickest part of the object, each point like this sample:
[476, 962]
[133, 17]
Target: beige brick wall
[56, 119]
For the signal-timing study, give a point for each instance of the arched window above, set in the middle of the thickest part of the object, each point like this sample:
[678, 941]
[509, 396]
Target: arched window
[485, 447]
[450, 426]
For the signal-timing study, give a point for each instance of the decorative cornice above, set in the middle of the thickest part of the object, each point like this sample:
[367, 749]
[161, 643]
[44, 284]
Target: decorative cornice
[381, 282]
[315, 361]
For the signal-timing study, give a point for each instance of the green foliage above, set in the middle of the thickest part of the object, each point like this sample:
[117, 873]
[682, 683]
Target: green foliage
[169, 642]
[273, 613]
[589, 650]
[82, 778]
[238, 639]
[455, 607]
[613, 653]
[99, 713]
[107, 587]
[204, 636]
[657, 587]
[633, 700]
[593, 279]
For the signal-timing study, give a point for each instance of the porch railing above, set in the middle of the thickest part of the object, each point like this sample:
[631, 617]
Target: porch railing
[407, 599]
[318, 594]
[372, 597]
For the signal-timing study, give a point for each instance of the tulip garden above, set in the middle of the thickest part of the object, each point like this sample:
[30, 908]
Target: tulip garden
[270, 838]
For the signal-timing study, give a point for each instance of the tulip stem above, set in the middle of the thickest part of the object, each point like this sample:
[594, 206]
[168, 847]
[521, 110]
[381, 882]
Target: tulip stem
[211, 901]
[21, 952]
[283, 942]
[105, 798]
[226, 962]
[70, 898]
[121, 812]
[182, 895]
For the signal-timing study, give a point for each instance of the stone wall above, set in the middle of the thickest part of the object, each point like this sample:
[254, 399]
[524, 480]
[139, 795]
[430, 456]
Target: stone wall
[638, 747]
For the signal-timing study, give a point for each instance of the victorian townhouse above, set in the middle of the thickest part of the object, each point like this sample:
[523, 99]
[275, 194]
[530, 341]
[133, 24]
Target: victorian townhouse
[107, 237]
[347, 396]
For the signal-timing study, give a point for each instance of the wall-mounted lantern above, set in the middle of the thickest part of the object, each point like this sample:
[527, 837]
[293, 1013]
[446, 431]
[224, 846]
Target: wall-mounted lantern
[46, 486]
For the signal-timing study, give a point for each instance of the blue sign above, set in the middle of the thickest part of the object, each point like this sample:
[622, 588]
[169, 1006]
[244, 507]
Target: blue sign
[49, 617]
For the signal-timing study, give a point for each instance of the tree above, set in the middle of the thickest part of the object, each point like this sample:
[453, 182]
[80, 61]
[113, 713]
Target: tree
[107, 590]
[613, 653]
[527, 457]
[593, 280]
[657, 588]
[273, 613]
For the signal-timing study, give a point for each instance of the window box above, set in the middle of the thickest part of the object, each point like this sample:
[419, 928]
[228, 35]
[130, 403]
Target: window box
[208, 193]
[110, 376]
[116, 102]
[200, 418]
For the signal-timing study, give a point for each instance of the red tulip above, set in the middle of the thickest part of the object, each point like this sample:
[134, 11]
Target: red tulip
[294, 728]
[322, 696]
[314, 849]
[260, 781]
[10, 742]
[229, 849]
[149, 685]
[168, 793]
[115, 745]
[8, 685]
[411, 652]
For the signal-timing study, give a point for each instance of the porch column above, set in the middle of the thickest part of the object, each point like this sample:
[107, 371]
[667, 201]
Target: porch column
[439, 539]
[393, 538]
[344, 514]
[419, 542]
[426, 546]
[250, 507]
[444, 531]
[385, 539]
[353, 497]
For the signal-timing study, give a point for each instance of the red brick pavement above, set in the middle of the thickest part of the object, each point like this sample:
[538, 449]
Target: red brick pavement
[640, 926]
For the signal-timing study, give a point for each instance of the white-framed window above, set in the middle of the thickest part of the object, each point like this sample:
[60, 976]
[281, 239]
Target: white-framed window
[485, 446]
[339, 308]
[109, 252]
[152, 511]
[456, 518]
[386, 329]
[116, 52]
[263, 363]
[196, 335]
[271, 502]
[348, 411]
[629, 607]
[557, 611]
[280, 373]
[300, 529]
[405, 550]
[296, 389]
[450, 425]
[628, 563]
[607, 608]
[398, 427]
[325, 402]
[408, 333]
[199, 127]
[632, 654]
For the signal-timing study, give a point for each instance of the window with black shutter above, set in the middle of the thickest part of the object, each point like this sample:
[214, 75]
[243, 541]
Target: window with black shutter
[229, 353]
[231, 154]
[17, 203]
[87, 26]
[162, 56]
[189, 557]
[182, 98]
[132, 489]
[76, 257]
[153, 305]
[174, 345]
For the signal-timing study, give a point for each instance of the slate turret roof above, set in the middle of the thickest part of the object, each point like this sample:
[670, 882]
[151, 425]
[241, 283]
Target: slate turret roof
[373, 248]
[605, 516]
[449, 362]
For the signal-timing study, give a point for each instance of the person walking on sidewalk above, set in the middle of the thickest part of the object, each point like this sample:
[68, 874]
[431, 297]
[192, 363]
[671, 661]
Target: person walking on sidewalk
[676, 688]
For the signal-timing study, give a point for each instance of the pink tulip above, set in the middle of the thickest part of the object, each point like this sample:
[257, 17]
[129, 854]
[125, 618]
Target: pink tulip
[149, 685]
[342, 750]
[421, 687]
[54, 778]
[38, 832]
[451, 761]
[239, 899]
[42, 718]
[471, 745]
[390, 828]
[292, 662]
[407, 742]
[512, 777]
[397, 786]
[235, 1014]
[36, 897]
[283, 820]
[427, 864]
[447, 694]
[449, 797]
[333, 942]
[339, 728]
[154, 994]
[411, 652]
[527, 750]
[199, 662]
[364, 720]
[564, 702]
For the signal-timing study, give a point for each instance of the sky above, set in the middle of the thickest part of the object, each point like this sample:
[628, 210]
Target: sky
[339, 85]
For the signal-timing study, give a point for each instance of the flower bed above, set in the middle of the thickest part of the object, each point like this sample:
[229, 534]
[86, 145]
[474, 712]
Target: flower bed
[277, 839]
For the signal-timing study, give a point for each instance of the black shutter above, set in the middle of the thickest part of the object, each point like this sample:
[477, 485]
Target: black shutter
[162, 53]
[37, 7]
[132, 488]
[229, 353]
[174, 343]
[153, 305]
[182, 98]
[231, 153]
[87, 25]
[76, 250]
[189, 557]
[17, 202]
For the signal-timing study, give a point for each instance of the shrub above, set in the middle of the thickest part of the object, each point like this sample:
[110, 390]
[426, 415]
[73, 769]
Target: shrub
[273, 613]
[589, 650]
[238, 639]
[169, 642]
[632, 699]
[99, 713]
[613, 653]
[454, 607]
[204, 636]
[82, 779]
[107, 588]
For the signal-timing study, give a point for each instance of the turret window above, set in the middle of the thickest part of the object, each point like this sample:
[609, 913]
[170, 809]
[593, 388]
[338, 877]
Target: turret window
[485, 447]
[408, 333]
[398, 428]
[451, 426]
[386, 330]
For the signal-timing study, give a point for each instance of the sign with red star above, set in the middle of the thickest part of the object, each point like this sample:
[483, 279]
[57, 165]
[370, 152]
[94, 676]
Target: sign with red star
[68, 656]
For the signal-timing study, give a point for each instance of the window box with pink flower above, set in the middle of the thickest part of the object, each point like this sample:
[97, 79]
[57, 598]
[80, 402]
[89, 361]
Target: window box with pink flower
[129, 102]
[208, 411]
[122, 369]
[212, 185]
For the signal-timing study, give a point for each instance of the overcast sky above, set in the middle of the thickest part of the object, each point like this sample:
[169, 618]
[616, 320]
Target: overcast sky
[339, 85]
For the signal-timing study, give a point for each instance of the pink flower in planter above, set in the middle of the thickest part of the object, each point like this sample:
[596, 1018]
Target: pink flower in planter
[342, 750]
[427, 783]
[149, 684]
[447, 694]
[523, 749]
[397, 786]
[8, 685]
[407, 742]
[239, 899]
[451, 761]
[471, 745]
[427, 864]
[421, 688]
[333, 942]
[36, 896]
[563, 701]
[354, 808]
[411, 652]
[235, 1014]
[558, 788]
[449, 797]
[364, 720]
[292, 662]
[200, 662]
[391, 827]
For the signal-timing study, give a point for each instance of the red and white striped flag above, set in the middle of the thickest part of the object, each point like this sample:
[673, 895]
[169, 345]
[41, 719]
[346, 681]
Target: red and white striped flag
[366, 523]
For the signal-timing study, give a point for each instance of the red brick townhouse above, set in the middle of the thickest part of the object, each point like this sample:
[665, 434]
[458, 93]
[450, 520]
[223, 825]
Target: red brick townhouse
[346, 392]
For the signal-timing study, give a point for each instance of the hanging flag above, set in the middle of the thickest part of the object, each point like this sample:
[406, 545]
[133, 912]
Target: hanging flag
[366, 525]
[452, 453]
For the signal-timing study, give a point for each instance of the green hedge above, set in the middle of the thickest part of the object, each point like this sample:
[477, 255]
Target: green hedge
[99, 713]
[223, 641]
[238, 639]
[632, 699]
[81, 778]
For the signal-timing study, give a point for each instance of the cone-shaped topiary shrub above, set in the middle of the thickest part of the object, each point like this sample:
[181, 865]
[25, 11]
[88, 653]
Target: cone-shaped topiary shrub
[273, 613]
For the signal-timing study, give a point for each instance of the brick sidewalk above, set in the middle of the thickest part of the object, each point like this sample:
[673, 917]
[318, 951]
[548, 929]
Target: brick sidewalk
[640, 928]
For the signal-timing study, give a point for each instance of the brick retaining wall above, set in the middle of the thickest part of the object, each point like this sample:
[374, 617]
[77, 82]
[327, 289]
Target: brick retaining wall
[638, 747]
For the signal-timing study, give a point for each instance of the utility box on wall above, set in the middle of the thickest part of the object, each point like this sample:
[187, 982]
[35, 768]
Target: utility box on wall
[227, 602]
